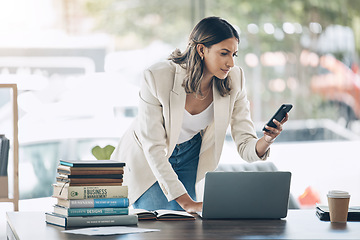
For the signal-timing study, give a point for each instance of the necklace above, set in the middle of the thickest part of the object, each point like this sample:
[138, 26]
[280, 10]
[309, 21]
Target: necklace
[203, 98]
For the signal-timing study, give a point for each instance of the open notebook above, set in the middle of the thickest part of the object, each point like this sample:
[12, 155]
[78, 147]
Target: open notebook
[161, 214]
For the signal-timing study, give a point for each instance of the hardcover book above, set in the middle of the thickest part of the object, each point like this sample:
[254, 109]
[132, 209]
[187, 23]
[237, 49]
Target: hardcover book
[73, 212]
[161, 214]
[72, 184]
[92, 163]
[94, 203]
[64, 191]
[89, 180]
[119, 176]
[61, 169]
[90, 221]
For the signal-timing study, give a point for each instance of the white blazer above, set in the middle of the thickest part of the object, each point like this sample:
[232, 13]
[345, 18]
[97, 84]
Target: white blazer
[149, 142]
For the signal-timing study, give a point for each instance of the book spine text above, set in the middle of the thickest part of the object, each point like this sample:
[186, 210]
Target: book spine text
[97, 211]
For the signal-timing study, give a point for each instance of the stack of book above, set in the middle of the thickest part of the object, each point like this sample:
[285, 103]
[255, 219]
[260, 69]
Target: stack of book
[90, 194]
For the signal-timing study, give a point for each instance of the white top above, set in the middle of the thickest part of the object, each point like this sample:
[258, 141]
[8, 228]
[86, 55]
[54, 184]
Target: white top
[193, 124]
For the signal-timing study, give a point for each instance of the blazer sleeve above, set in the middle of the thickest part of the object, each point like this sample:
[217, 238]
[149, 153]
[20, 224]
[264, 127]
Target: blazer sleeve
[242, 127]
[152, 135]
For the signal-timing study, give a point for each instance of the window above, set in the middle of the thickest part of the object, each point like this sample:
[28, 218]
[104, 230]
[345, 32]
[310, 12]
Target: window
[301, 52]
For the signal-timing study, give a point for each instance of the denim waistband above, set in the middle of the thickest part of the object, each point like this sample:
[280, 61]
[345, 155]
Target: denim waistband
[194, 139]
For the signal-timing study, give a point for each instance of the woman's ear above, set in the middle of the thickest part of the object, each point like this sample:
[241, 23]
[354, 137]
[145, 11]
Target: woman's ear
[200, 48]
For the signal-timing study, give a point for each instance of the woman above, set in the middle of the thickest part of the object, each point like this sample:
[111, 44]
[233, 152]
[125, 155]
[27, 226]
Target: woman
[186, 106]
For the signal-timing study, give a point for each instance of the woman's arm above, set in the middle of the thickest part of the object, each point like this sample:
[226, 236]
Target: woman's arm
[153, 136]
[242, 126]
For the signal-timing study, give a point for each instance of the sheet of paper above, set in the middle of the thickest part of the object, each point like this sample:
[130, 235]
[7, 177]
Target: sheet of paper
[109, 230]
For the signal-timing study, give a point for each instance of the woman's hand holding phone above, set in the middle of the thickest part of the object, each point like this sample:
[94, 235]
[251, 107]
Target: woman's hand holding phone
[272, 133]
[274, 127]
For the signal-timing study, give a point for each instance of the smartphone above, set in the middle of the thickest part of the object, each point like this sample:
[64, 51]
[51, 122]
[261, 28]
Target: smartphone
[279, 115]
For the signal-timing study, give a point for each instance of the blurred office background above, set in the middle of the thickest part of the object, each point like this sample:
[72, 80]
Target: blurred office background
[78, 64]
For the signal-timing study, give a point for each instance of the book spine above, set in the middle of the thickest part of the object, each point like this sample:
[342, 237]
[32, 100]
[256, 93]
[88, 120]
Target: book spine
[100, 203]
[113, 202]
[98, 221]
[115, 176]
[97, 211]
[86, 192]
[91, 184]
[89, 180]
[66, 164]
[80, 164]
[88, 172]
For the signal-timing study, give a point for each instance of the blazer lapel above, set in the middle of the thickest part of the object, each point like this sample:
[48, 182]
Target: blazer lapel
[221, 119]
[176, 107]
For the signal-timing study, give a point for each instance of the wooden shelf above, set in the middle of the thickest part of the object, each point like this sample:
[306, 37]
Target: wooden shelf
[7, 200]
[15, 147]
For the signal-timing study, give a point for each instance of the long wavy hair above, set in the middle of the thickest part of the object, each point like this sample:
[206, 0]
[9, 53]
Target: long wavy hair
[208, 31]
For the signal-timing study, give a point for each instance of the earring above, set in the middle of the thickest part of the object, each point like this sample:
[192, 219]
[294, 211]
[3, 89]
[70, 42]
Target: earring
[202, 58]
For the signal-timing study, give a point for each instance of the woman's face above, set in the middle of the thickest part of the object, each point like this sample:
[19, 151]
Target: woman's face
[219, 58]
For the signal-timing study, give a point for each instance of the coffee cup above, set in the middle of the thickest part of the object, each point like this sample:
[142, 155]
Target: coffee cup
[338, 205]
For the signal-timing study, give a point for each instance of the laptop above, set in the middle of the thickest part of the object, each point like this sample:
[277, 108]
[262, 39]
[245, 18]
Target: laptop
[246, 195]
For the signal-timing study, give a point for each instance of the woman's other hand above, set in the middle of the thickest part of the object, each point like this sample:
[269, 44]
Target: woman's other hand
[188, 204]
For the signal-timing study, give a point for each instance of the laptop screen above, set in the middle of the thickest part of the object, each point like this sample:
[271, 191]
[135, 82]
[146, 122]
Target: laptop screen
[262, 195]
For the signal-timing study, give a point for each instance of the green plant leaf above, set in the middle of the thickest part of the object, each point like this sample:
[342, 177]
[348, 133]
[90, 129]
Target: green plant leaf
[103, 153]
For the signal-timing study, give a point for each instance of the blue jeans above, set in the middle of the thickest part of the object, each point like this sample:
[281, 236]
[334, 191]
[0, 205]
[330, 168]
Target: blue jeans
[184, 160]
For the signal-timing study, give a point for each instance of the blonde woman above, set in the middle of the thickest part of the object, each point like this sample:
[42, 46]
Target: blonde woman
[186, 105]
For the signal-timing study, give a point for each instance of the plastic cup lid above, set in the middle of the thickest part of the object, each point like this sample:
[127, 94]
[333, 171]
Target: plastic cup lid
[338, 194]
